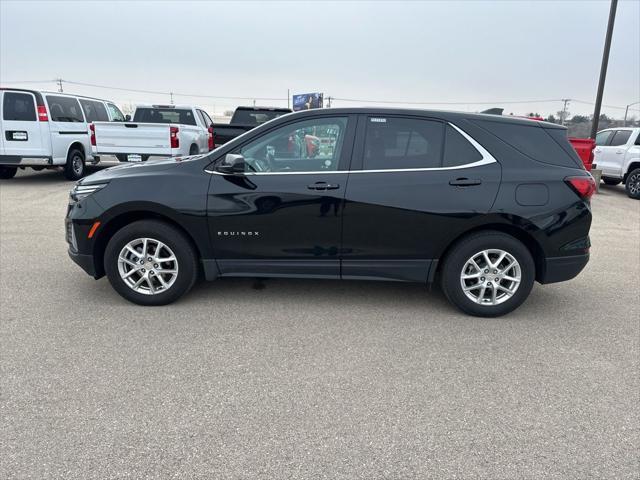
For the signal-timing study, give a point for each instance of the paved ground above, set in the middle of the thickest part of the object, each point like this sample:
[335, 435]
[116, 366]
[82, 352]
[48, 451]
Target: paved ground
[312, 379]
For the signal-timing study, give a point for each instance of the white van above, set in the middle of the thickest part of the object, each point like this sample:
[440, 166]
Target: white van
[49, 130]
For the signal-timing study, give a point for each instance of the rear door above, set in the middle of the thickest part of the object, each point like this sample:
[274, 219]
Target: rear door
[604, 158]
[614, 153]
[22, 133]
[417, 184]
[283, 216]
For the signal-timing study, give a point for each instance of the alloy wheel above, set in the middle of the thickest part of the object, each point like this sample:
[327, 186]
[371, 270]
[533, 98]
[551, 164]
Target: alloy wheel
[147, 266]
[490, 277]
[634, 184]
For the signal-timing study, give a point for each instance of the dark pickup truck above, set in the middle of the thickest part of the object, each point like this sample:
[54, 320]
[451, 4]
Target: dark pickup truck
[243, 120]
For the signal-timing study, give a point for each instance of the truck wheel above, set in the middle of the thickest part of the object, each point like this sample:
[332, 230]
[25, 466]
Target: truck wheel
[488, 274]
[74, 168]
[150, 263]
[632, 184]
[193, 150]
[7, 172]
[611, 181]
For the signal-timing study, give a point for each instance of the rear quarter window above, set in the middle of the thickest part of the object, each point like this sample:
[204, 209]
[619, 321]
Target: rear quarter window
[457, 150]
[550, 146]
[19, 106]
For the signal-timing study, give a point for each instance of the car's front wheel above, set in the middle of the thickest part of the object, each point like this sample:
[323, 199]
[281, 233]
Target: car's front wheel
[488, 274]
[632, 185]
[150, 263]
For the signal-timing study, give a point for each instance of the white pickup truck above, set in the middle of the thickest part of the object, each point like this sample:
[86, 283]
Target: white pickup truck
[156, 130]
[617, 154]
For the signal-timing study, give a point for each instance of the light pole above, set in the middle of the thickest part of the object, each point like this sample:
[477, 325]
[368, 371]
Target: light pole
[626, 110]
[603, 68]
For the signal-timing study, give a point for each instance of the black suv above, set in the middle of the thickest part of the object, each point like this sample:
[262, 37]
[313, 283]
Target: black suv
[483, 204]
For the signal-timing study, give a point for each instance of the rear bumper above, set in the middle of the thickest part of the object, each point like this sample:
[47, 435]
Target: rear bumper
[83, 261]
[560, 269]
[20, 161]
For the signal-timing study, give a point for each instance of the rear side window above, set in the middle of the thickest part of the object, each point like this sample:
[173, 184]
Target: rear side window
[457, 150]
[535, 142]
[19, 106]
[64, 109]
[164, 115]
[620, 138]
[94, 111]
[397, 143]
[603, 137]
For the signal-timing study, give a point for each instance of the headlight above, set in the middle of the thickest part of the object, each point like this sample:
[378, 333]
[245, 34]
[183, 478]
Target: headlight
[82, 191]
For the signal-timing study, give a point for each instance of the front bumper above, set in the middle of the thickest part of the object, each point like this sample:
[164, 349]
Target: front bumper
[84, 261]
[560, 269]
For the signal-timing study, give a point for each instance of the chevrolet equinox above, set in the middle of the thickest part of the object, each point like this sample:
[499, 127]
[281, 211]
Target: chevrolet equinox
[484, 205]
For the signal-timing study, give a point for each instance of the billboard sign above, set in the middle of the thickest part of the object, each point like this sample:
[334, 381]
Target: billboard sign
[307, 101]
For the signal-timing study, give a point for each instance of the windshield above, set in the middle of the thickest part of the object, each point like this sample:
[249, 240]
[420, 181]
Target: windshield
[255, 117]
[164, 115]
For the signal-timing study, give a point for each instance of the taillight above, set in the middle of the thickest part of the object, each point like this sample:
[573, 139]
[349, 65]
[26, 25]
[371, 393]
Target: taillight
[211, 144]
[585, 187]
[173, 136]
[42, 113]
[92, 129]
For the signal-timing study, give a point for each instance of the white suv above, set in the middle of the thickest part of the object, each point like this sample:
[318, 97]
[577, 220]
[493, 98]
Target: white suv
[48, 130]
[617, 154]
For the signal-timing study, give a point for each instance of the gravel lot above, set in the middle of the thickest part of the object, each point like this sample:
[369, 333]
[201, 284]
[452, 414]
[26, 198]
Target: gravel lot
[312, 379]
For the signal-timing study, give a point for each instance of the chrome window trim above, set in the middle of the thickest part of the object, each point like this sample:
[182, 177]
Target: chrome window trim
[487, 159]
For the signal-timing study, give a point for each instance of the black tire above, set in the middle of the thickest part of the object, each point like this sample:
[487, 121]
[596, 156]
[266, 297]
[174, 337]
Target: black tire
[467, 248]
[75, 167]
[174, 239]
[611, 181]
[7, 173]
[632, 185]
[194, 150]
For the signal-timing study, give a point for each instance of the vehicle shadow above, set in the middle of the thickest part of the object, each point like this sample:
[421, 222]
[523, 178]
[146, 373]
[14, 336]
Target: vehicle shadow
[29, 176]
[612, 190]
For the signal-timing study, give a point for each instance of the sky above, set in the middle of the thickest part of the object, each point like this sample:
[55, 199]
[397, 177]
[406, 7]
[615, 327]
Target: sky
[463, 52]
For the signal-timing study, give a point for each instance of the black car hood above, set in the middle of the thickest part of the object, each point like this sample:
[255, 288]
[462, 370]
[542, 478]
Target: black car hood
[135, 169]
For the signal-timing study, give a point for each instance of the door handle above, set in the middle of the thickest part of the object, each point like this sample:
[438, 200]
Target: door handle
[465, 182]
[597, 150]
[619, 152]
[323, 186]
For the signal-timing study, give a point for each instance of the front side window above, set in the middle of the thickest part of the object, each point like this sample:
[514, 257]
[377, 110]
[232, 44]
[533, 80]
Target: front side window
[94, 111]
[307, 146]
[164, 115]
[19, 106]
[620, 137]
[603, 137]
[64, 109]
[399, 143]
[116, 114]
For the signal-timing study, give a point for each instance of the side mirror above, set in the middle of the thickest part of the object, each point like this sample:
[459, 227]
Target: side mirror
[232, 163]
[127, 118]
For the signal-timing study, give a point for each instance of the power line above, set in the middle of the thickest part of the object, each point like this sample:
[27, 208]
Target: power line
[360, 100]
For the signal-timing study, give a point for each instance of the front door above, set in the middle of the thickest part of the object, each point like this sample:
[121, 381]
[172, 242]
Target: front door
[417, 183]
[283, 215]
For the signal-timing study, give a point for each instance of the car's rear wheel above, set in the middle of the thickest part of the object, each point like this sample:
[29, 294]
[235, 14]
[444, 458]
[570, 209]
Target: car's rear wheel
[7, 172]
[611, 181]
[74, 168]
[150, 263]
[632, 185]
[488, 274]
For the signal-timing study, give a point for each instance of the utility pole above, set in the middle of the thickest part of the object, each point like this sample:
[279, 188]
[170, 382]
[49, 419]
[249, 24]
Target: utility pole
[59, 82]
[564, 110]
[603, 68]
[329, 101]
[626, 111]
[171, 96]
[288, 98]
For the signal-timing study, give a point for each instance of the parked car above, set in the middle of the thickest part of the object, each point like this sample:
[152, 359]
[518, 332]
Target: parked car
[156, 130]
[485, 205]
[243, 120]
[49, 130]
[617, 154]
